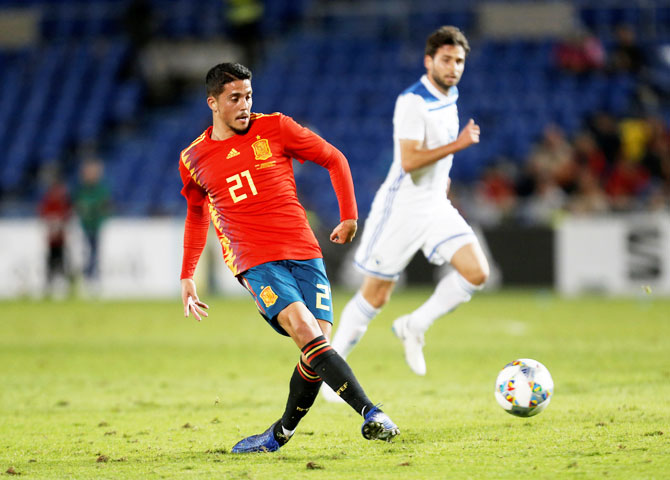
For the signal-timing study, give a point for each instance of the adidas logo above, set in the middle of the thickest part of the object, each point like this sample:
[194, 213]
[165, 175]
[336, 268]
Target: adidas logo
[232, 153]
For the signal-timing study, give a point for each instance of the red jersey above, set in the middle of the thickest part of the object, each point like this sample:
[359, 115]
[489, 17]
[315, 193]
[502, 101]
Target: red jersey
[245, 184]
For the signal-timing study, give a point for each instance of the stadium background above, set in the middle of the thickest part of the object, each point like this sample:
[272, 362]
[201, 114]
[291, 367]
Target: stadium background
[570, 185]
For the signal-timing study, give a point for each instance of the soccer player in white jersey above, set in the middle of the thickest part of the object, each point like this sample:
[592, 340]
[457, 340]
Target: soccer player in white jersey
[411, 210]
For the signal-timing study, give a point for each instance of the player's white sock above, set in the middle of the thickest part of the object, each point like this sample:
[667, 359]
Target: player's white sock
[354, 321]
[288, 433]
[450, 292]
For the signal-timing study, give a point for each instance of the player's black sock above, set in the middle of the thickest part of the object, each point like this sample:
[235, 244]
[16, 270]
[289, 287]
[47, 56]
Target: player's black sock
[279, 434]
[335, 371]
[303, 389]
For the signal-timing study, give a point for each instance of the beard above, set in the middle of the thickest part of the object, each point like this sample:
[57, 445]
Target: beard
[240, 131]
[441, 83]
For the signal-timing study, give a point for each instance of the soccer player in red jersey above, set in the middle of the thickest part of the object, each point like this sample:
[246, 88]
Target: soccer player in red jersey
[239, 173]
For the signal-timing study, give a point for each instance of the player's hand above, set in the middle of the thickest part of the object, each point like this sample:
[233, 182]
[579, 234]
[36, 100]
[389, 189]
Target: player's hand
[344, 232]
[190, 299]
[469, 135]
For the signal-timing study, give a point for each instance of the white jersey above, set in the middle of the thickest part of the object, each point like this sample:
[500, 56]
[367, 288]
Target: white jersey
[425, 114]
[411, 211]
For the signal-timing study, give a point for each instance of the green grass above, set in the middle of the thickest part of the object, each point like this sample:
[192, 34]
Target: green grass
[133, 390]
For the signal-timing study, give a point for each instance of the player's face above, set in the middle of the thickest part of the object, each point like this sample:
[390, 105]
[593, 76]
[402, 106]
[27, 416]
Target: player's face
[233, 106]
[446, 67]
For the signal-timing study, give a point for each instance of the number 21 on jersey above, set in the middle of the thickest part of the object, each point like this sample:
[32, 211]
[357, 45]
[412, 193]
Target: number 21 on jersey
[237, 184]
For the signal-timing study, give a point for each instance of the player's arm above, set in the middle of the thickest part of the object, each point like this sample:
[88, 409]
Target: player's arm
[196, 227]
[304, 144]
[413, 156]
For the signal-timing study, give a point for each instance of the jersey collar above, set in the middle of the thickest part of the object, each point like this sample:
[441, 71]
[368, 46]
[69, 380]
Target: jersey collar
[452, 94]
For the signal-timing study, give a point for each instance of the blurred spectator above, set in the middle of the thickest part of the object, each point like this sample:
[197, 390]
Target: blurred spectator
[494, 197]
[588, 155]
[244, 20]
[137, 20]
[552, 159]
[576, 176]
[55, 210]
[138, 24]
[606, 133]
[656, 158]
[580, 53]
[626, 56]
[497, 187]
[626, 181]
[635, 133]
[547, 200]
[589, 196]
[93, 205]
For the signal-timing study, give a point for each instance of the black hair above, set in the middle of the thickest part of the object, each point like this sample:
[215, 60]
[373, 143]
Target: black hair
[223, 73]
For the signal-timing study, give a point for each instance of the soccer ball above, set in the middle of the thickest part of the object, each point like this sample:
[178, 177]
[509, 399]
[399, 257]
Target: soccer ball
[524, 387]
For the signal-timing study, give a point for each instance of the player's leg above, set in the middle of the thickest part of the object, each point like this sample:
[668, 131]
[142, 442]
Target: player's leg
[305, 283]
[470, 272]
[320, 356]
[303, 388]
[356, 316]
[450, 239]
[52, 264]
[315, 288]
[298, 322]
[273, 287]
[359, 312]
[295, 294]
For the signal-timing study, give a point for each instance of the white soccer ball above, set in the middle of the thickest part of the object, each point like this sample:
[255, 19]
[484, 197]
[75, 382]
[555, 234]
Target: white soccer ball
[524, 387]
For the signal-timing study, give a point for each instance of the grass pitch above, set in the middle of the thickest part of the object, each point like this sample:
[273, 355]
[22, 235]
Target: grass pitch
[133, 390]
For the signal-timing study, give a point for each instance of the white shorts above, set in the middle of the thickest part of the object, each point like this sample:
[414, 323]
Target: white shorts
[394, 233]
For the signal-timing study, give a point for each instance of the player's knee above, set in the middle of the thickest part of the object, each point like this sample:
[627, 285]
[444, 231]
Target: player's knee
[304, 331]
[379, 298]
[376, 292]
[480, 278]
[299, 323]
[477, 275]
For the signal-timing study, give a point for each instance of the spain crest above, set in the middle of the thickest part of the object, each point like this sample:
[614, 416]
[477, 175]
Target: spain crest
[268, 296]
[261, 149]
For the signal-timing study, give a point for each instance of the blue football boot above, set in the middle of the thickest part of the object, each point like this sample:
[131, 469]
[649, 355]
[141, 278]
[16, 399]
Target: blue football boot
[378, 426]
[264, 442]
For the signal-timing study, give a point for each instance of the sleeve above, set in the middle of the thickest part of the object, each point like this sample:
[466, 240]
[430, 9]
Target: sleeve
[303, 144]
[196, 224]
[408, 123]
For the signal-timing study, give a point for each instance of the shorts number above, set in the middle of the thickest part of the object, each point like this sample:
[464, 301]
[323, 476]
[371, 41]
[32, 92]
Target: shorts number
[237, 178]
[323, 296]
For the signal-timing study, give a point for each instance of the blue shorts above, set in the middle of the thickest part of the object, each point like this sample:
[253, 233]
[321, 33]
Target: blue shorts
[276, 285]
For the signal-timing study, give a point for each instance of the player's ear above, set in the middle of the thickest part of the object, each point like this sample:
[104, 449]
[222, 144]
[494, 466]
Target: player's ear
[212, 103]
[427, 62]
